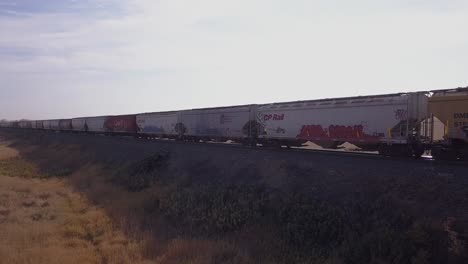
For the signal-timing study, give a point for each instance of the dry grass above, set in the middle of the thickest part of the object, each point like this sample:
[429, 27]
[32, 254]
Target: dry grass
[6, 152]
[201, 252]
[43, 221]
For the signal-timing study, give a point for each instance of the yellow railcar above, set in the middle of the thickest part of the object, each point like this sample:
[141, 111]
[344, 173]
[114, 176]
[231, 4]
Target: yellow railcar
[449, 109]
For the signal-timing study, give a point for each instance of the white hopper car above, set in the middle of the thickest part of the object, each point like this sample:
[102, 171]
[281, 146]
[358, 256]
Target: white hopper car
[363, 121]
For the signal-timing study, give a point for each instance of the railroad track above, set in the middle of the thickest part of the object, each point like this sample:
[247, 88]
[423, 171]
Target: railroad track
[331, 152]
[361, 154]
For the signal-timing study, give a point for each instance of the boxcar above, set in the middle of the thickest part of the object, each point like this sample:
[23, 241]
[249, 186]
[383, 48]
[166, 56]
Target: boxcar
[96, 124]
[216, 123]
[123, 124]
[364, 121]
[163, 124]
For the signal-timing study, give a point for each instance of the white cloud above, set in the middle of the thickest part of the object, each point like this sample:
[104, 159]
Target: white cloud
[180, 54]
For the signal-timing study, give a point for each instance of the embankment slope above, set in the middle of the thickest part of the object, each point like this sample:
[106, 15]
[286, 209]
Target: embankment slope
[224, 204]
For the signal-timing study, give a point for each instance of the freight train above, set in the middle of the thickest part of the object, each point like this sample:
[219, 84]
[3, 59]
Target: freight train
[400, 124]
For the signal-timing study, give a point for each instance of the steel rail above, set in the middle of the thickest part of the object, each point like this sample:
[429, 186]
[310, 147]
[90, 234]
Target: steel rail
[331, 152]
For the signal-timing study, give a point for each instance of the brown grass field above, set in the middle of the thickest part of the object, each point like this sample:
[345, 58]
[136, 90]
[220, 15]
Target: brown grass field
[44, 221]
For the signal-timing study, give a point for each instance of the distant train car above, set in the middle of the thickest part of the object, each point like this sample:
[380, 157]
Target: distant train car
[33, 124]
[5, 124]
[46, 124]
[79, 124]
[25, 124]
[122, 124]
[55, 124]
[39, 124]
[96, 124]
[389, 123]
[220, 123]
[163, 124]
[450, 109]
[65, 124]
[14, 124]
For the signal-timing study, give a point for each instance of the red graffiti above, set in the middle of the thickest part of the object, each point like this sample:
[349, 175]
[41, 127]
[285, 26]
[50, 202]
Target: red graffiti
[121, 123]
[315, 131]
[334, 132]
[274, 117]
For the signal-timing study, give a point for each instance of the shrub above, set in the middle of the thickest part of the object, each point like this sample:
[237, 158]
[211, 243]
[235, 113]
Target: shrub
[213, 208]
[310, 225]
[142, 174]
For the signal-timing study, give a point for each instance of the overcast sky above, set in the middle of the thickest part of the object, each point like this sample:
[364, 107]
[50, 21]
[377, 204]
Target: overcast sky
[68, 58]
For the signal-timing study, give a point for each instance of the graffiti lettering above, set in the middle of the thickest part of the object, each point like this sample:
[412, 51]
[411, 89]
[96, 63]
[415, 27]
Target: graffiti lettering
[334, 132]
[118, 124]
[274, 117]
[401, 114]
[313, 131]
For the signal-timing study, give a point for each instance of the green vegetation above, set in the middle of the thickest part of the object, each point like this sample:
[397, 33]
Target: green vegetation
[310, 228]
[212, 209]
[360, 229]
[141, 175]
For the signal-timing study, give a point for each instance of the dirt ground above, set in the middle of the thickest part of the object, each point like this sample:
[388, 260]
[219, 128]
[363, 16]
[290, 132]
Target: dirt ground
[205, 203]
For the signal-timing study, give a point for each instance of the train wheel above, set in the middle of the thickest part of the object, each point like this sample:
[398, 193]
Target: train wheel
[384, 150]
[272, 144]
[463, 153]
[443, 153]
[418, 153]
